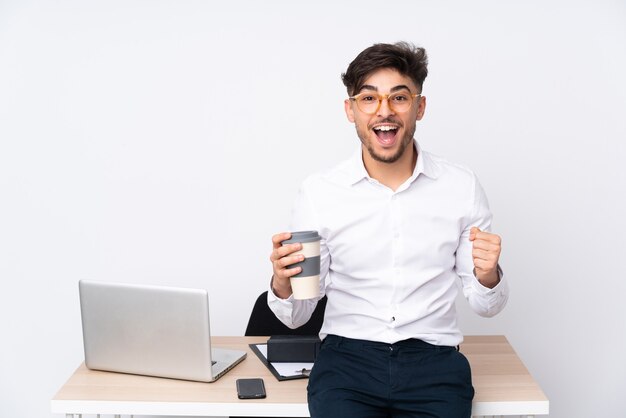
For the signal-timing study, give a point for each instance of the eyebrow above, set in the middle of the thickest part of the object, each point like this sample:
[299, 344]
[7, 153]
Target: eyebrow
[393, 89]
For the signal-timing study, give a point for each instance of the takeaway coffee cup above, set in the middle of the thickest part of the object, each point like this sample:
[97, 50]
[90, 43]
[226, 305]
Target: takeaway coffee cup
[306, 284]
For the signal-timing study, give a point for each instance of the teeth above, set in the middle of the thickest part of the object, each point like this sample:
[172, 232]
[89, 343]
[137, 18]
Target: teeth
[385, 128]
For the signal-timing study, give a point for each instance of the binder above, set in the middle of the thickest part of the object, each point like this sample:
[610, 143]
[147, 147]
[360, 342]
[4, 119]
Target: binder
[282, 371]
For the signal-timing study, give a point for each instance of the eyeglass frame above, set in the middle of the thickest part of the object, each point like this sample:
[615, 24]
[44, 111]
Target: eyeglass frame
[382, 97]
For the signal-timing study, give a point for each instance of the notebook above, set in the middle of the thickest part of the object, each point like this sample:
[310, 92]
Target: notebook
[151, 330]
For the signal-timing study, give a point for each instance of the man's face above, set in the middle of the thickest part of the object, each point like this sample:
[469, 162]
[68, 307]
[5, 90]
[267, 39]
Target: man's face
[387, 133]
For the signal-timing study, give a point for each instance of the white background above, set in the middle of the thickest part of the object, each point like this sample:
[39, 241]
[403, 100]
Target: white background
[163, 142]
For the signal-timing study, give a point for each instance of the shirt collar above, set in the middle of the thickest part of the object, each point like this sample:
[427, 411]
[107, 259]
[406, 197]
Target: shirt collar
[425, 165]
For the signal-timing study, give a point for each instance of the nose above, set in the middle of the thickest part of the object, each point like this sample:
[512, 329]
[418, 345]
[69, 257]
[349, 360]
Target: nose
[384, 109]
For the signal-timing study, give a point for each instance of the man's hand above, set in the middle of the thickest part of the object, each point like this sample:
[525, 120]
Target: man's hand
[486, 249]
[281, 258]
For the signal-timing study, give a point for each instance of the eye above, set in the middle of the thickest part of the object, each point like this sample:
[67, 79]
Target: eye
[368, 98]
[401, 97]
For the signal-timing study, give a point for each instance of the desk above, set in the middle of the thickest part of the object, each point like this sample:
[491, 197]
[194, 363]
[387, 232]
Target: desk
[503, 387]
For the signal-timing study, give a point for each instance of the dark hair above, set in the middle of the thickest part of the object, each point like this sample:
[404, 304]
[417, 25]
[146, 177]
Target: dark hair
[404, 57]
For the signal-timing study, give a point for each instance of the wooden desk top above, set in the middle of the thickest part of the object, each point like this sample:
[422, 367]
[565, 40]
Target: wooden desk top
[502, 383]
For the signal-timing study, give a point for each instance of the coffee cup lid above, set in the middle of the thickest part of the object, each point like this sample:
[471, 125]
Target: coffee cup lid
[302, 237]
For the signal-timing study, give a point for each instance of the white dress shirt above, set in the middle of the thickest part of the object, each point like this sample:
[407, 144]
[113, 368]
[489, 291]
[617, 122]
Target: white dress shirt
[392, 262]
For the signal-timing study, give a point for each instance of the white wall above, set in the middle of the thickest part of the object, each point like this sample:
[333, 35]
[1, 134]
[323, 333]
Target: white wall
[150, 141]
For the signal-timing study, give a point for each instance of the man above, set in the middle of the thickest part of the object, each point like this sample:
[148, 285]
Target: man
[400, 228]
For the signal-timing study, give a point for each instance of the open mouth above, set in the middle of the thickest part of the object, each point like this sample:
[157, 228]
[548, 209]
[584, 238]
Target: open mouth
[386, 134]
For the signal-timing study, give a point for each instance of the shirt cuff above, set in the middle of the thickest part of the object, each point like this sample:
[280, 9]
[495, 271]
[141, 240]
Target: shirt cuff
[487, 291]
[273, 296]
[282, 308]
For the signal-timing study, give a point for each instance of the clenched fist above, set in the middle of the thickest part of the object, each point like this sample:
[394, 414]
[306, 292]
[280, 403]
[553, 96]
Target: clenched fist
[486, 249]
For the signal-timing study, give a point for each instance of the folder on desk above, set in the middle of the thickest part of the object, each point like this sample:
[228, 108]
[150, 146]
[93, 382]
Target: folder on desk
[282, 370]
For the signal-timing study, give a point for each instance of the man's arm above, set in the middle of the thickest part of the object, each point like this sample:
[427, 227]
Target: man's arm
[477, 256]
[291, 312]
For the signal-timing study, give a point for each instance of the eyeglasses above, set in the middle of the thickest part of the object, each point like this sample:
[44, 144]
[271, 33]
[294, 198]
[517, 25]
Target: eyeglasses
[370, 103]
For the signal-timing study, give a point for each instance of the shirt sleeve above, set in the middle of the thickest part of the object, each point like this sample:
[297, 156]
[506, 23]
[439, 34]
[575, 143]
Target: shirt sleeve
[483, 300]
[292, 312]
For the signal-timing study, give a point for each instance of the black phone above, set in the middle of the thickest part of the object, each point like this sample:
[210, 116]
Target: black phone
[250, 388]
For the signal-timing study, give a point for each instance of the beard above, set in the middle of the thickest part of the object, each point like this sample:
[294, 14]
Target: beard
[364, 136]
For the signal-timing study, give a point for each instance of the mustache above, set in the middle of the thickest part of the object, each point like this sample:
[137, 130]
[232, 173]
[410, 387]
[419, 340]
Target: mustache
[386, 120]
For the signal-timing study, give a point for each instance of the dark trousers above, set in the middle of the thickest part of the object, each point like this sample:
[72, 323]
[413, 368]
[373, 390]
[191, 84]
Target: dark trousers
[411, 378]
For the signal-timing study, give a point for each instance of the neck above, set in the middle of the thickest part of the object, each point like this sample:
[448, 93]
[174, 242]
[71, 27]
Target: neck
[393, 174]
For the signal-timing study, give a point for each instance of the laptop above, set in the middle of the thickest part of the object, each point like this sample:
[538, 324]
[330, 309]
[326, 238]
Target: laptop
[151, 330]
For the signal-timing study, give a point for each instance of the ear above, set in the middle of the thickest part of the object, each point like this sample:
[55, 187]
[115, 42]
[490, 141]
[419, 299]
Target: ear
[347, 104]
[421, 108]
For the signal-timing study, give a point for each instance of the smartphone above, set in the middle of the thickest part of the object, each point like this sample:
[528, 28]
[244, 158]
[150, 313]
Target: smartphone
[250, 388]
